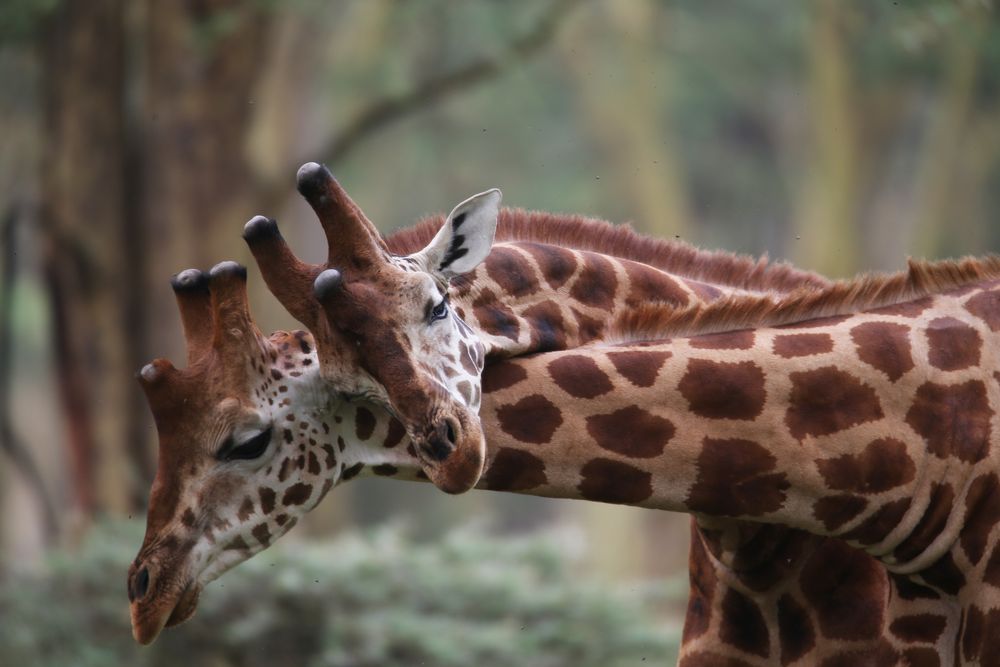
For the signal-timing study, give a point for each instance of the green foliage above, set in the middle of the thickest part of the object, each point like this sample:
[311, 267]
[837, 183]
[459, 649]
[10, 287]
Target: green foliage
[20, 19]
[372, 600]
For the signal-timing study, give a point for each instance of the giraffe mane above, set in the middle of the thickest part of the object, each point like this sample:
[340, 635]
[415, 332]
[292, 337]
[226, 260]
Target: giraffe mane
[921, 278]
[583, 233]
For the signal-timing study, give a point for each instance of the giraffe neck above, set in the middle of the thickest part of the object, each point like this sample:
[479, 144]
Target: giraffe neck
[529, 297]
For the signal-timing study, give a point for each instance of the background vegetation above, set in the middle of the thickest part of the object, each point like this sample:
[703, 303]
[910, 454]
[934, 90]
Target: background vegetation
[139, 135]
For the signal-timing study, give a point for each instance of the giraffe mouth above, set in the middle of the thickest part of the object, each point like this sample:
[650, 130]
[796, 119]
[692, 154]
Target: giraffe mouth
[146, 627]
[454, 459]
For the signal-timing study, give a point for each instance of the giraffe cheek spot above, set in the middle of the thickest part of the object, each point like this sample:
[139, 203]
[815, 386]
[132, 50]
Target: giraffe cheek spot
[579, 376]
[828, 400]
[364, 423]
[722, 390]
[533, 419]
[262, 534]
[952, 344]
[514, 470]
[296, 494]
[611, 481]
[631, 432]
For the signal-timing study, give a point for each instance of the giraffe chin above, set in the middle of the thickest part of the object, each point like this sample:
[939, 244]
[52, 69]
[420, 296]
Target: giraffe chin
[146, 629]
[461, 469]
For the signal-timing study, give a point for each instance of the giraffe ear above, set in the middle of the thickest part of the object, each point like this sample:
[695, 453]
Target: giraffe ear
[465, 238]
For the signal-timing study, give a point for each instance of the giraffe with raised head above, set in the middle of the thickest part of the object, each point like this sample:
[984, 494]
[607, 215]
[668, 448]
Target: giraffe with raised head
[896, 459]
[410, 321]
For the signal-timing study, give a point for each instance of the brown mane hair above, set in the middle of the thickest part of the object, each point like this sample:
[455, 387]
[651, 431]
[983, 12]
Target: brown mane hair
[657, 321]
[582, 233]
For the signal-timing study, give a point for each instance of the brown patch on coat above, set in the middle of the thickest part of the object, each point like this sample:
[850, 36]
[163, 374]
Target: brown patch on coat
[514, 470]
[986, 306]
[533, 419]
[611, 481]
[795, 630]
[885, 346]
[953, 419]
[364, 423]
[933, 521]
[790, 346]
[557, 265]
[579, 376]
[924, 628]
[723, 390]
[502, 375]
[847, 594]
[982, 513]
[730, 340]
[548, 330]
[884, 464]
[638, 367]
[828, 400]
[952, 344]
[836, 510]
[735, 479]
[743, 624]
[511, 271]
[631, 432]
[596, 283]
[880, 523]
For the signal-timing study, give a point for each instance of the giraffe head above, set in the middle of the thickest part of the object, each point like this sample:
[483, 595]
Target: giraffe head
[383, 324]
[231, 425]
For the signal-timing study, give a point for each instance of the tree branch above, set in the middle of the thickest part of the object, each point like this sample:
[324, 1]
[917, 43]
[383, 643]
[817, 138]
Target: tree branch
[389, 109]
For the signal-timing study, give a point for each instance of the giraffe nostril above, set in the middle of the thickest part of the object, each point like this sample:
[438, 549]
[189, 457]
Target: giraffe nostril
[450, 432]
[141, 584]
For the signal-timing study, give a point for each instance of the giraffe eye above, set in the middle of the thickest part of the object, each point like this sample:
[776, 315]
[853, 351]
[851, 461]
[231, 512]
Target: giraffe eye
[439, 312]
[250, 449]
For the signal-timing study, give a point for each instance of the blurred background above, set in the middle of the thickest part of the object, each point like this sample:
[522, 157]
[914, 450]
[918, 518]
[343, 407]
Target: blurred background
[138, 137]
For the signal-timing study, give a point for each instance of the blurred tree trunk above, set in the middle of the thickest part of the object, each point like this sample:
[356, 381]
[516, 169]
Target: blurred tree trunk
[827, 222]
[943, 157]
[87, 261]
[202, 64]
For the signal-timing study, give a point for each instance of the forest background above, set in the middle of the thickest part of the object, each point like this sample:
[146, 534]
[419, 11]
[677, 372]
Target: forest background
[138, 137]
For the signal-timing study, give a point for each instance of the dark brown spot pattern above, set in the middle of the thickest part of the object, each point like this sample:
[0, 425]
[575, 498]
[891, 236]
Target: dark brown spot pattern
[884, 464]
[743, 624]
[267, 498]
[836, 510]
[847, 594]
[795, 630]
[296, 494]
[885, 346]
[736, 478]
[502, 375]
[548, 330]
[918, 627]
[933, 521]
[723, 390]
[557, 264]
[631, 432]
[611, 481]
[953, 419]
[533, 419]
[639, 368]
[394, 434]
[579, 376]
[596, 283]
[828, 400]
[730, 340]
[986, 306]
[364, 423]
[952, 344]
[512, 272]
[647, 284]
[880, 523]
[982, 513]
[790, 346]
[514, 470]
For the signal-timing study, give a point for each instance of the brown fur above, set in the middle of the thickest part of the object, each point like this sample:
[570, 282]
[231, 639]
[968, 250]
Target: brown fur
[582, 233]
[655, 321]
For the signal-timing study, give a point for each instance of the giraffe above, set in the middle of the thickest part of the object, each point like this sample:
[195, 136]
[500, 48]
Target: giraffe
[695, 452]
[380, 308]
